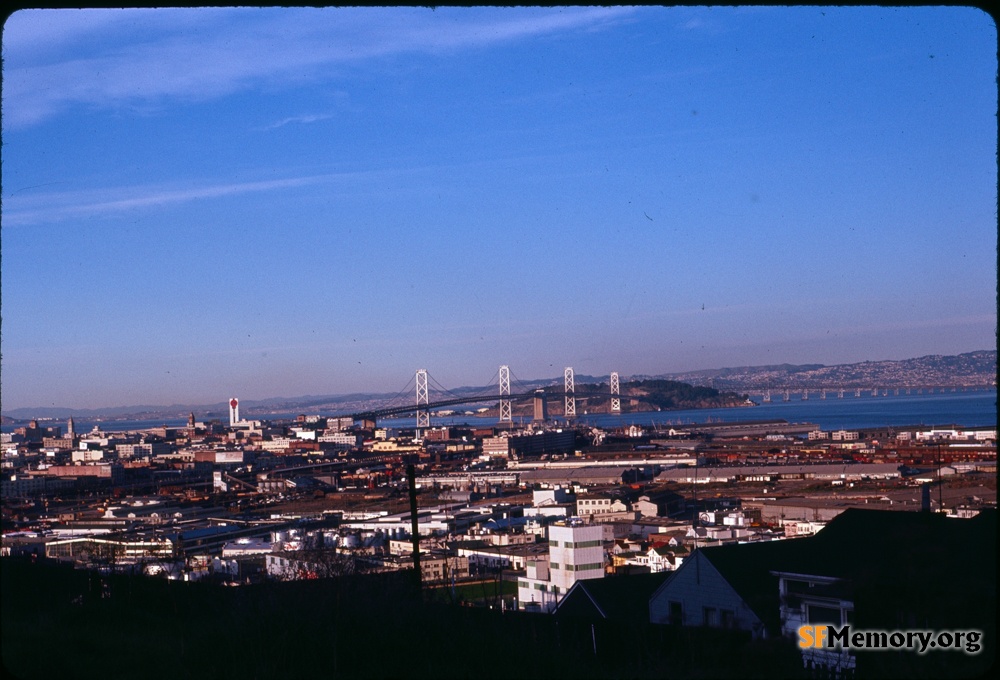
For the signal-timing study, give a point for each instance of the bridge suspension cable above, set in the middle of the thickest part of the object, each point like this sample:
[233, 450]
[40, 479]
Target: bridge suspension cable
[519, 385]
[439, 388]
[400, 397]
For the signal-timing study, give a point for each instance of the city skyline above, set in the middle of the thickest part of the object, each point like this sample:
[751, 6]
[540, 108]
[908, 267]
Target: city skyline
[291, 201]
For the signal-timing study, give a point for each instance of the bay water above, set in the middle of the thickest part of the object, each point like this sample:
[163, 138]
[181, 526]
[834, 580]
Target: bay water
[975, 408]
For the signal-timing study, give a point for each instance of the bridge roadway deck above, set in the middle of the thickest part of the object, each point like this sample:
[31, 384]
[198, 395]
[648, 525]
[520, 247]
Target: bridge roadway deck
[455, 401]
[413, 408]
[775, 391]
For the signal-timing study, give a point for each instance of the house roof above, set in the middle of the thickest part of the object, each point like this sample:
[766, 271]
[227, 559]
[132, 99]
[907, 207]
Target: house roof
[662, 549]
[661, 495]
[859, 541]
[612, 597]
[877, 550]
[747, 568]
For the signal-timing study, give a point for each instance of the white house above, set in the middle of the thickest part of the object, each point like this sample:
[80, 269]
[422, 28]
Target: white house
[662, 558]
[698, 594]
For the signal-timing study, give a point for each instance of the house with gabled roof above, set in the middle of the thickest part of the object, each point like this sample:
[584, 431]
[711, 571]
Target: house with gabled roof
[876, 569]
[907, 570]
[727, 586]
[659, 503]
[622, 598]
[662, 557]
[673, 538]
[629, 544]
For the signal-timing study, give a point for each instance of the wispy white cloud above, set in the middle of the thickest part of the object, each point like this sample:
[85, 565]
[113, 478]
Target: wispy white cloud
[54, 59]
[312, 118]
[43, 203]
[51, 207]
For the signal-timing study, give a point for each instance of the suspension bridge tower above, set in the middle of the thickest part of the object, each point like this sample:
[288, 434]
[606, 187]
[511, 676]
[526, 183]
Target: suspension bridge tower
[570, 393]
[616, 400]
[423, 414]
[505, 413]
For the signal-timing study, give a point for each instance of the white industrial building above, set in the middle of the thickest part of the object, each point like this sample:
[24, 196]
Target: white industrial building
[430, 521]
[346, 440]
[576, 553]
[759, 473]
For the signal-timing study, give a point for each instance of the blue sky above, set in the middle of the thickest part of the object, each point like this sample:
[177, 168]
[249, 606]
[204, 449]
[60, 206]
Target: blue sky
[279, 202]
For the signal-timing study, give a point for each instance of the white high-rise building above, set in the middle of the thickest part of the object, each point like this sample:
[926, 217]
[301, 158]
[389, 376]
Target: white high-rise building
[576, 553]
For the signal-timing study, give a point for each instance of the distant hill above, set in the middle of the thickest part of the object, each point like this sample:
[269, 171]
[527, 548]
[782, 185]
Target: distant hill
[218, 410]
[972, 369]
[636, 395]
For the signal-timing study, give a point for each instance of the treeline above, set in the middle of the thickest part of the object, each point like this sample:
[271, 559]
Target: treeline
[60, 622]
[670, 394]
[649, 395]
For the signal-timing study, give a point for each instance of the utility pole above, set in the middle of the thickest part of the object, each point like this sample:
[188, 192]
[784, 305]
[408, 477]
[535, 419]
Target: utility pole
[940, 480]
[411, 478]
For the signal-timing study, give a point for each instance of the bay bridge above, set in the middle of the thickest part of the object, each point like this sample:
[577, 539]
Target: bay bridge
[423, 405]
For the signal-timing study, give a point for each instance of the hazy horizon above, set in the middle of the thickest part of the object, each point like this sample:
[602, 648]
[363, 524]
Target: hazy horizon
[222, 401]
[202, 202]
